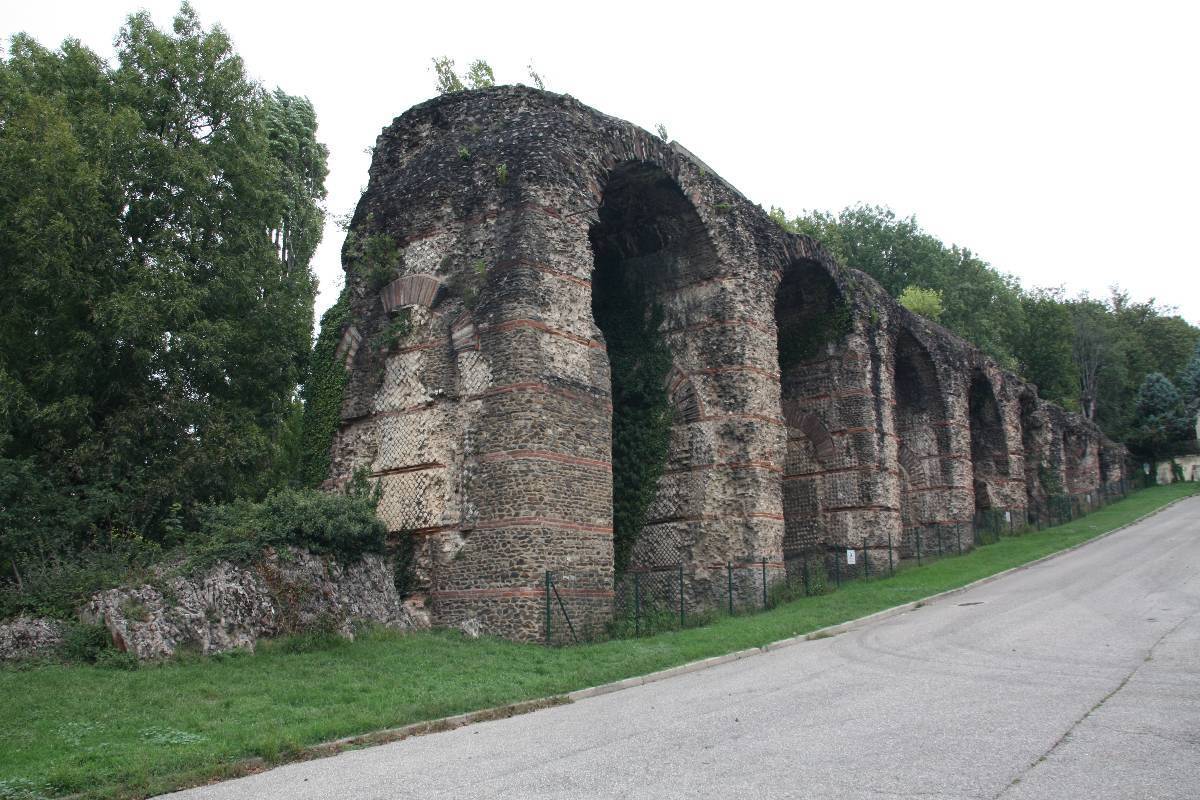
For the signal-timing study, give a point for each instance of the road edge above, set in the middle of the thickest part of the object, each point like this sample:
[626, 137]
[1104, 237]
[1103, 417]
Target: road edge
[849, 625]
[388, 735]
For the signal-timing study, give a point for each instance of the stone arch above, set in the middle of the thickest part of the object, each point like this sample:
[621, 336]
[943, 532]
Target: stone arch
[989, 443]
[922, 433]
[912, 476]
[810, 451]
[410, 290]
[818, 434]
[684, 399]
[509, 367]
[649, 244]
[811, 323]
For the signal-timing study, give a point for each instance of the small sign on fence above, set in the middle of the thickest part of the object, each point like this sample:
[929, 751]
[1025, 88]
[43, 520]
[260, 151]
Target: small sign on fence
[849, 556]
[1008, 516]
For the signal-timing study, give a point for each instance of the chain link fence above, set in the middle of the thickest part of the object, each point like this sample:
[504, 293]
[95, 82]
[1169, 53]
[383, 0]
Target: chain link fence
[652, 599]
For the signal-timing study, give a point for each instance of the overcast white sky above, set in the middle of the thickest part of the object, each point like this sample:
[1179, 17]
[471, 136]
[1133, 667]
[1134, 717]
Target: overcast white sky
[1057, 140]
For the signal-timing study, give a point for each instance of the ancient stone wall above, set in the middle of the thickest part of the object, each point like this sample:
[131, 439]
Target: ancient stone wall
[807, 409]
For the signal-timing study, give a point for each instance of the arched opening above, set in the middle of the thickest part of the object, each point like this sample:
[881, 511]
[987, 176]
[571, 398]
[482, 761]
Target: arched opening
[1032, 442]
[648, 243]
[810, 452]
[989, 444]
[1081, 461]
[811, 317]
[923, 438]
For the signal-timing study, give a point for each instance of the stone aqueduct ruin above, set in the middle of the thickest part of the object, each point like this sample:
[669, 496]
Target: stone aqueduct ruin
[809, 408]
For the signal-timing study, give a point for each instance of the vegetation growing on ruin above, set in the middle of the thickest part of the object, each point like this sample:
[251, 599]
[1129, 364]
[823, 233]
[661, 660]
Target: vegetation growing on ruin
[322, 394]
[479, 75]
[641, 428]
[926, 302]
[1051, 484]
[803, 336]
[397, 329]
[112, 733]
[374, 255]
[468, 283]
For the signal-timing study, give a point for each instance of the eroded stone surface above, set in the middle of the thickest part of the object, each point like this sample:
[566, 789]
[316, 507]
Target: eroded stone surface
[26, 636]
[490, 425]
[232, 606]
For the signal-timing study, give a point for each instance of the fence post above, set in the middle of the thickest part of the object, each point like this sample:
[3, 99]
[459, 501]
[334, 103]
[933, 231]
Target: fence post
[891, 561]
[804, 571]
[837, 571]
[918, 547]
[866, 565]
[548, 584]
[958, 536]
[729, 577]
[681, 595]
[764, 577]
[637, 604]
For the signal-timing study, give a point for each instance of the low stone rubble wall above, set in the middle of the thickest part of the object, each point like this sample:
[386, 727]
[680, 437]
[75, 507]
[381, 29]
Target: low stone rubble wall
[231, 606]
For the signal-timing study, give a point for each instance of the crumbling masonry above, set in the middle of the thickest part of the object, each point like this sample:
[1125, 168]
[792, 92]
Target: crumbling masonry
[809, 409]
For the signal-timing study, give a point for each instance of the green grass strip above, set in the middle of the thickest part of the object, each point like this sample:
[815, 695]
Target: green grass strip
[105, 733]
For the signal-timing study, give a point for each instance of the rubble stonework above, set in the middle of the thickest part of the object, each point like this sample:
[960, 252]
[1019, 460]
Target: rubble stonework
[231, 606]
[488, 424]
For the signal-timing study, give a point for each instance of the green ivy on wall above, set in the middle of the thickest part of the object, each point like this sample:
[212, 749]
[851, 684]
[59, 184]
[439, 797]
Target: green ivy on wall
[641, 421]
[322, 393]
[801, 337]
[1051, 484]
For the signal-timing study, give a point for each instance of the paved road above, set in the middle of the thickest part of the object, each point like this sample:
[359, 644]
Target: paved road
[1077, 678]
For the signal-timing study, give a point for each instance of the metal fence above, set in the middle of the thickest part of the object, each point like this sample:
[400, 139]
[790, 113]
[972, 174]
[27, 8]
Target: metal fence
[651, 599]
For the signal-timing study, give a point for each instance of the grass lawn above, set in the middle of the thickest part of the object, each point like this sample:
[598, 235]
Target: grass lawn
[107, 733]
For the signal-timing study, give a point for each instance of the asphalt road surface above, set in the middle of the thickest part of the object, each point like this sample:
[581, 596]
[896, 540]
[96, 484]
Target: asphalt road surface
[1076, 678]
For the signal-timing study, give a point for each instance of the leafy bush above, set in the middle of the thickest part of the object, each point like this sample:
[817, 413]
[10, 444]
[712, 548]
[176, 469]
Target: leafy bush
[926, 302]
[83, 642]
[113, 658]
[340, 525]
[53, 584]
[375, 255]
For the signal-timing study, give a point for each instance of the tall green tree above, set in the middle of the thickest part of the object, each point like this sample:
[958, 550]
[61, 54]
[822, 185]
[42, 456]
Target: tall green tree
[1044, 347]
[1162, 424]
[1189, 381]
[1098, 351]
[157, 217]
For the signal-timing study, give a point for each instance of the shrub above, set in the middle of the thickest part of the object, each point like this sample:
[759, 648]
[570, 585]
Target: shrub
[321, 635]
[340, 525]
[54, 584]
[117, 659]
[84, 642]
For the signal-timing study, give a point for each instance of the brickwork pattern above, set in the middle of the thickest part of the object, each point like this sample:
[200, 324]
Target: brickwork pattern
[488, 426]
